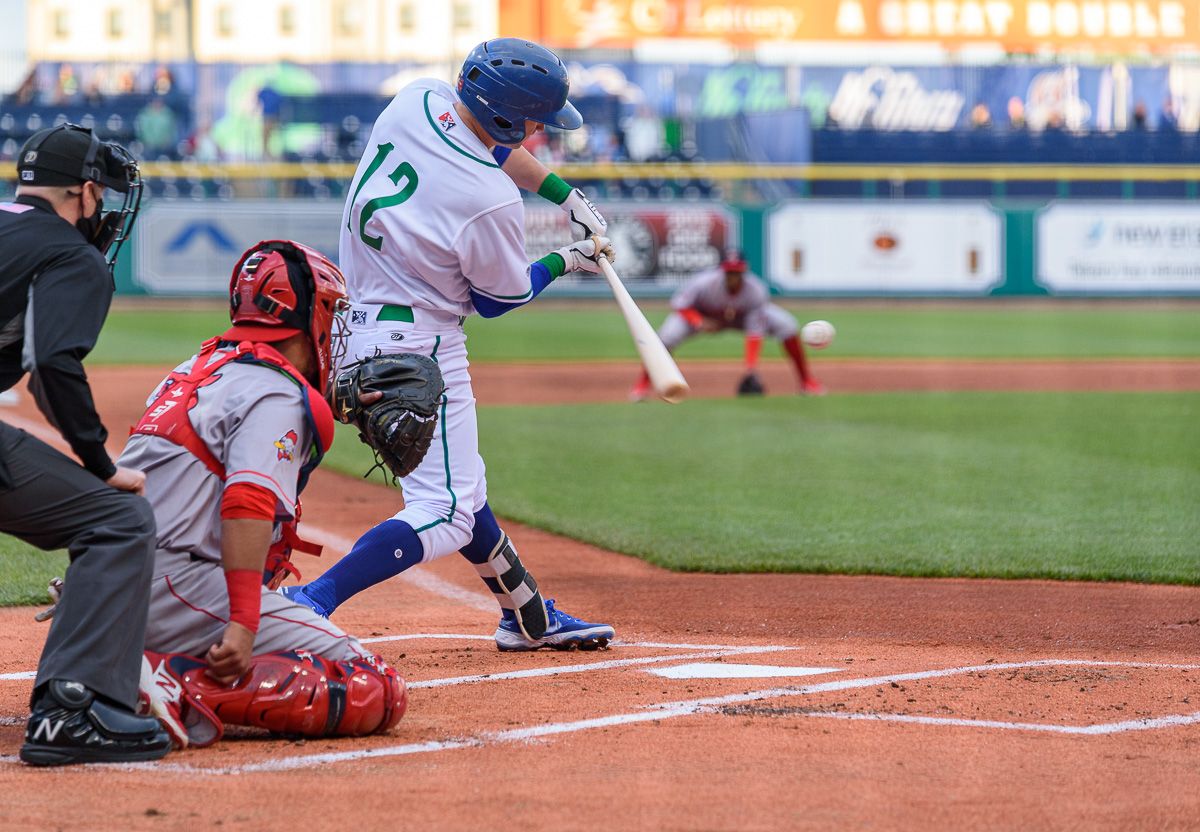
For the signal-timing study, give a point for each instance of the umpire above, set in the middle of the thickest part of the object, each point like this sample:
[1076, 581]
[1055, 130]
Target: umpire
[57, 246]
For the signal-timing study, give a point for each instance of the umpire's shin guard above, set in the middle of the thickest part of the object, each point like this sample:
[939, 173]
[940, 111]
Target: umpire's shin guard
[514, 588]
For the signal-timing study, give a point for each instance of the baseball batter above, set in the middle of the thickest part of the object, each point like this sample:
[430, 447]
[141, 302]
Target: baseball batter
[730, 297]
[433, 231]
[227, 442]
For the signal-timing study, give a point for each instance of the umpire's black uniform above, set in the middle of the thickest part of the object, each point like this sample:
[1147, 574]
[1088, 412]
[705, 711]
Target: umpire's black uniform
[55, 291]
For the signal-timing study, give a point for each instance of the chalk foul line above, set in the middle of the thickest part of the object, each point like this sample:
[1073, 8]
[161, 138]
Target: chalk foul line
[1146, 724]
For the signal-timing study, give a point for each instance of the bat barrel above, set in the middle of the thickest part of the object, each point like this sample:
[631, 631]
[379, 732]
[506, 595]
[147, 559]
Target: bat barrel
[664, 373]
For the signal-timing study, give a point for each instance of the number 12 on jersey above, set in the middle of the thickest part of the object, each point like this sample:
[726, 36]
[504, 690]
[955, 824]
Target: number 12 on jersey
[403, 171]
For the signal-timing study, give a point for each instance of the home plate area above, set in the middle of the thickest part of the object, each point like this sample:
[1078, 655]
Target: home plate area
[537, 697]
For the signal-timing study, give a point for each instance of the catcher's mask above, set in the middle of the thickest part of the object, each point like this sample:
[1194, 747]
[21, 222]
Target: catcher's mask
[69, 154]
[280, 288]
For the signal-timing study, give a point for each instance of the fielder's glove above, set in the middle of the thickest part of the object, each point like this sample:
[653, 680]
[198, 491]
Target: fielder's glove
[751, 385]
[581, 256]
[399, 424]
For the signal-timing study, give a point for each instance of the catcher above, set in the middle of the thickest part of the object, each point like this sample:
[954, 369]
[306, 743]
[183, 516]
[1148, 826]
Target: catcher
[228, 442]
[730, 297]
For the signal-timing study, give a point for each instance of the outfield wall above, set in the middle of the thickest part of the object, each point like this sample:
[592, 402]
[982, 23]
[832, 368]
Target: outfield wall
[804, 247]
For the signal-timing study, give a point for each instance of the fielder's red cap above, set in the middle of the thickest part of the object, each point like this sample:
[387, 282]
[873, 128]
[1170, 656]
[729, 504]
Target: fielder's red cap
[733, 261]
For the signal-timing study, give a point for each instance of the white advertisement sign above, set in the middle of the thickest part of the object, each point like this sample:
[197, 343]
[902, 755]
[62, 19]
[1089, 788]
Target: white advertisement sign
[1119, 247]
[885, 247]
[190, 248]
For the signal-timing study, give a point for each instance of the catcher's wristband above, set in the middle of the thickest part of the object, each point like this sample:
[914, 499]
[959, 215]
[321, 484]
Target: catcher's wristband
[245, 597]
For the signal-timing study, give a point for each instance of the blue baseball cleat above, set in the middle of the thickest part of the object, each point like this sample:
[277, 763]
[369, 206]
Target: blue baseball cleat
[296, 595]
[565, 632]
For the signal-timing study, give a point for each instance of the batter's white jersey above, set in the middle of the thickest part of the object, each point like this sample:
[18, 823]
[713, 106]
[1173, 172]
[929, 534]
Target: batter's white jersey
[431, 215]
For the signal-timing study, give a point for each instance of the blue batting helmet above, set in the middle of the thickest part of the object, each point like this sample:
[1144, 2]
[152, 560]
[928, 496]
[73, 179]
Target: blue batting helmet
[508, 80]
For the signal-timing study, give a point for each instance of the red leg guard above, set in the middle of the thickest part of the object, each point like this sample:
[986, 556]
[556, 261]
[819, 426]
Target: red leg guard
[299, 694]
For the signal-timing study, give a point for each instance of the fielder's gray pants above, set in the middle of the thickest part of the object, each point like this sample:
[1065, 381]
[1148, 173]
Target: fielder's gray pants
[51, 502]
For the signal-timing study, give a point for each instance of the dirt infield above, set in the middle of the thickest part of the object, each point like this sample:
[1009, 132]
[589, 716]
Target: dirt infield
[862, 702]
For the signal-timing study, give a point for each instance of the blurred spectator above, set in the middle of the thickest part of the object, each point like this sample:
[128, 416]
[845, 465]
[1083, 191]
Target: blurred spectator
[270, 102]
[643, 134]
[981, 116]
[156, 128]
[67, 90]
[200, 146]
[91, 93]
[27, 92]
[1139, 115]
[1016, 113]
[164, 82]
[126, 82]
[1169, 120]
[1054, 122]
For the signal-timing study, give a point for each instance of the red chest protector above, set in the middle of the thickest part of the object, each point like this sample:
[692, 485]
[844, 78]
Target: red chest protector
[167, 415]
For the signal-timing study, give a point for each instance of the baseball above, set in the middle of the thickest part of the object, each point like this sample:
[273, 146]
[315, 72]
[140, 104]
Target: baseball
[818, 334]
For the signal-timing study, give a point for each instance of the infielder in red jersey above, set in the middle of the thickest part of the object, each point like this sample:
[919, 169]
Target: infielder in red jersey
[731, 297]
[228, 442]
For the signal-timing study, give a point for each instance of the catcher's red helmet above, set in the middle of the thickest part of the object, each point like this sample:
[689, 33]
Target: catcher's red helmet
[280, 288]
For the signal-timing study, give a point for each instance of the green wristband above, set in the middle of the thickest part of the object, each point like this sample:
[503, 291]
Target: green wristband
[555, 264]
[554, 189]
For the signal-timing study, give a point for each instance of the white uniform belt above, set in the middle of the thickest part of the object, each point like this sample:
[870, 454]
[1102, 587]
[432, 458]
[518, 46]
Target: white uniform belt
[369, 316]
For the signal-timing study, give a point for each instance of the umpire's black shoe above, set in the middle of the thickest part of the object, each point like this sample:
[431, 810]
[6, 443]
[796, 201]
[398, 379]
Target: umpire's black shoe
[70, 724]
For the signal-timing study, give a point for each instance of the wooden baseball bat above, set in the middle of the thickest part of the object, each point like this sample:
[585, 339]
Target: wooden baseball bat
[664, 373]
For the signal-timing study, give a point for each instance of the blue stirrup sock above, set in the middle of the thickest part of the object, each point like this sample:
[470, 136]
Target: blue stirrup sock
[497, 562]
[386, 550]
[484, 536]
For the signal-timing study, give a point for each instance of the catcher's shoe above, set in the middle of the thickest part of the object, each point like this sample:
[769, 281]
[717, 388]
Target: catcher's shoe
[161, 694]
[70, 724]
[812, 387]
[296, 595]
[565, 632]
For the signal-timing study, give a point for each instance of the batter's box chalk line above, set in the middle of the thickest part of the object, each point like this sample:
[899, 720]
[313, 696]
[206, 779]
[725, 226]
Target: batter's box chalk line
[705, 705]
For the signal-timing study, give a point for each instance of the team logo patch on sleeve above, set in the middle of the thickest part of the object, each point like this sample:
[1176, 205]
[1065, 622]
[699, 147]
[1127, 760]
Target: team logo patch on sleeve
[286, 445]
[447, 121]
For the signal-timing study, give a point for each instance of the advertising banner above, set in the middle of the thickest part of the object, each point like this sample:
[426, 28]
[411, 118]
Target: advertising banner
[885, 248]
[1097, 26]
[190, 248]
[659, 245]
[1125, 248]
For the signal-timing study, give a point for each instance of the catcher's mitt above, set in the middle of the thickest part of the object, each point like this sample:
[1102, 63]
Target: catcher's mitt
[751, 385]
[398, 426]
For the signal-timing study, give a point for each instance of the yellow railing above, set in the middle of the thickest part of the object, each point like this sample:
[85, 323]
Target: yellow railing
[717, 171]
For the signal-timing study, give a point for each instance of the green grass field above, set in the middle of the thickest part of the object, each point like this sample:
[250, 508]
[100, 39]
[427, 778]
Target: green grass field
[1079, 485]
[596, 331]
[1099, 486]
[25, 572]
